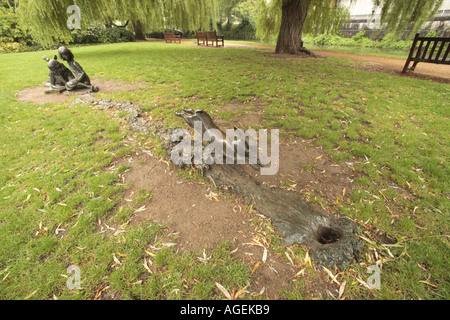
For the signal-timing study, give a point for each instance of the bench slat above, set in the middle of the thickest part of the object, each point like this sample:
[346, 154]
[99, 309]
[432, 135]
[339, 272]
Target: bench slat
[422, 54]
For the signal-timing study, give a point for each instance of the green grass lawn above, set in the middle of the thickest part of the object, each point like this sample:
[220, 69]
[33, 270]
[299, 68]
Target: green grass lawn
[55, 191]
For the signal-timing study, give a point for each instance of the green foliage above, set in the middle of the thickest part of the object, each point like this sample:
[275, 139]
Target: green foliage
[241, 31]
[268, 20]
[49, 18]
[327, 16]
[99, 33]
[242, 11]
[399, 14]
[10, 29]
[359, 40]
[13, 36]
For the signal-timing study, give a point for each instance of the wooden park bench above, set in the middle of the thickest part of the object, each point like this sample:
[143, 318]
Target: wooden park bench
[171, 37]
[213, 37]
[201, 37]
[430, 49]
[209, 36]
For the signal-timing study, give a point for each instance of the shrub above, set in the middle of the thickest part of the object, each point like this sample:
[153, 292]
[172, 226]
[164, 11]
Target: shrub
[92, 34]
[112, 35]
[99, 33]
[360, 40]
[241, 31]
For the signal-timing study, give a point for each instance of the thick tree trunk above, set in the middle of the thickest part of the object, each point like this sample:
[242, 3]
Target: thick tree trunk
[138, 30]
[293, 16]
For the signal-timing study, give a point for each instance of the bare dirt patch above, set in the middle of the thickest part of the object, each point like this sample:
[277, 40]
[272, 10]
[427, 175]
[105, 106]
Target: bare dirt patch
[203, 218]
[37, 94]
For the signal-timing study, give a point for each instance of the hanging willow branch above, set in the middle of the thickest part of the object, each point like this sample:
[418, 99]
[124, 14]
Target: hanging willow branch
[398, 16]
[48, 18]
[327, 16]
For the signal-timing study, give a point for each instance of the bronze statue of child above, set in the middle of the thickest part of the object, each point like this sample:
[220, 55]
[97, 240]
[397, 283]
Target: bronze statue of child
[81, 78]
[58, 75]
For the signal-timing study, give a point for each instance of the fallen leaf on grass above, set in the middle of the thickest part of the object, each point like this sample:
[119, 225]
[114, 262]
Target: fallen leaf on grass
[256, 266]
[430, 284]
[31, 294]
[308, 259]
[342, 288]
[150, 253]
[264, 257]
[301, 272]
[332, 276]
[223, 290]
[289, 258]
[140, 209]
[363, 283]
[117, 261]
[241, 291]
[145, 264]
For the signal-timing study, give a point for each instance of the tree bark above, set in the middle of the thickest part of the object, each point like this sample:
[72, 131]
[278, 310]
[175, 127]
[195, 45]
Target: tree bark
[293, 16]
[138, 30]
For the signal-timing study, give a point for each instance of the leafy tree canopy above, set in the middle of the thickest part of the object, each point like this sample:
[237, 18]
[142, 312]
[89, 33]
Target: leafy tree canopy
[327, 16]
[48, 18]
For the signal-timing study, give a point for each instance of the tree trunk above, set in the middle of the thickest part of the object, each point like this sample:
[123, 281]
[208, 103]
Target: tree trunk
[138, 30]
[293, 16]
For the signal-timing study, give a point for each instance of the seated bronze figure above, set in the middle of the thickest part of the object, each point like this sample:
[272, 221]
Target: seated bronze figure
[58, 75]
[81, 78]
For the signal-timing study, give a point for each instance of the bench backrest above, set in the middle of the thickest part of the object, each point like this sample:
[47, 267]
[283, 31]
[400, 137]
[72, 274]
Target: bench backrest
[211, 35]
[430, 49]
[201, 35]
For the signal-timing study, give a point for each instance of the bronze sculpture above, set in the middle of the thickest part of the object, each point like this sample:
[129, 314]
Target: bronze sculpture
[61, 78]
[81, 78]
[331, 238]
[58, 75]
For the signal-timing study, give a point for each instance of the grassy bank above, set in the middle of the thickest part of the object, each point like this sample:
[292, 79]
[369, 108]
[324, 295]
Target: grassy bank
[56, 193]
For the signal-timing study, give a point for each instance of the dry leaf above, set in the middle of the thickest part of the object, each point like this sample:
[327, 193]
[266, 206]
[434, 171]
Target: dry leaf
[332, 276]
[223, 290]
[363, 283]
[140, 209]
[342, 288]
[307, 259]
[264, 257]
[241, 291]
[256, 266]
[146, 266]
[289, 258]
[301, 272]
[116, 260]
[31, 294]
[430, 284]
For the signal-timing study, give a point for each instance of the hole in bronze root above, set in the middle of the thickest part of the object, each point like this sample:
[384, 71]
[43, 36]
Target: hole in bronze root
[326, 235]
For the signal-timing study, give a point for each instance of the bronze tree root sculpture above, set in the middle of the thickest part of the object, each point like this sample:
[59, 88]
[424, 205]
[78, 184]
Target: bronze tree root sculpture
[331, 239]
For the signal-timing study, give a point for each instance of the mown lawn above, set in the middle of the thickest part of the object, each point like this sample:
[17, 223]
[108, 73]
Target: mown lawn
[55, 192]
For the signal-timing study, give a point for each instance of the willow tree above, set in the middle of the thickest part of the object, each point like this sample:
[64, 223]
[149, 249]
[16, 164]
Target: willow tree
[48, 18]
[290, 18]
